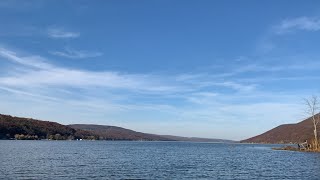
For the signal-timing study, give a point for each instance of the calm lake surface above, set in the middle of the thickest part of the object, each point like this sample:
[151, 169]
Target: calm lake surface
[152, 160]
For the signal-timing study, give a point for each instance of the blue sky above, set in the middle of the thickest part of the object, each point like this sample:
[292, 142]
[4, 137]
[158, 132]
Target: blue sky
[218, 69]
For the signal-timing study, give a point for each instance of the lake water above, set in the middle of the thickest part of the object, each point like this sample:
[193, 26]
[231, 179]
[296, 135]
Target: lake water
[152, 160]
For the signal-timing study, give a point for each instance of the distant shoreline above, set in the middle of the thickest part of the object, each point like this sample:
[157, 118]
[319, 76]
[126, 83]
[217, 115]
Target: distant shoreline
[122, 141]
[20, 128]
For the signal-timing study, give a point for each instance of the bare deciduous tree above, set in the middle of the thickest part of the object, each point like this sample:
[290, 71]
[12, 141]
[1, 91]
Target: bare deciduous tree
[313, 110]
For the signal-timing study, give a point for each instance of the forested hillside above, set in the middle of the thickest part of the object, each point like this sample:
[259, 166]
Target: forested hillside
[26, 128]
[286, 133]
[117, 133]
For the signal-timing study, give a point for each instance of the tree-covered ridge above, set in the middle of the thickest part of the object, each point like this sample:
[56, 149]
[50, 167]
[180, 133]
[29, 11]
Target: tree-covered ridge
[286, 133]
[26, 128]
[118, 133]
[31, 129]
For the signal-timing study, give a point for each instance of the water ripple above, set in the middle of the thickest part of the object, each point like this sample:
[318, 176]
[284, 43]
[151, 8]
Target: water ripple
[151, 160]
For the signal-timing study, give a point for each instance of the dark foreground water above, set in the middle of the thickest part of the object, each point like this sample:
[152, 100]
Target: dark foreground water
[152, 160]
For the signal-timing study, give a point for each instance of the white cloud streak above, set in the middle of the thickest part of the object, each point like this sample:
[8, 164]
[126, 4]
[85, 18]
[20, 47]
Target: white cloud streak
[42, 73]
[61, 33]
[41, 79]
[30, 61]
[46, 74]
[301, 23]
[75, 54]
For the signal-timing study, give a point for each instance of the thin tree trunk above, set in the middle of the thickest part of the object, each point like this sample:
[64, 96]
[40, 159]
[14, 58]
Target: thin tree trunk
[315, 137]
[313, 108]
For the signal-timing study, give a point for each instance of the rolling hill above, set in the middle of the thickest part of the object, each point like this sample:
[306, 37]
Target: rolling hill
[287, 133]
[117, 133]
[12, 127]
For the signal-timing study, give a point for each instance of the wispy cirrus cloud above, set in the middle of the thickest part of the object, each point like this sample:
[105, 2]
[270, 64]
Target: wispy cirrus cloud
[176, 98]
[30, 61]
[40, 72]
[270, 40]
[300, 23]
[23, 30]
[75, 54]
[61, 33]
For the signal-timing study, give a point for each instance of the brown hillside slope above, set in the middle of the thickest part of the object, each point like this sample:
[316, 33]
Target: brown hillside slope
[11, 125]
[117, 133]
[287, 133]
